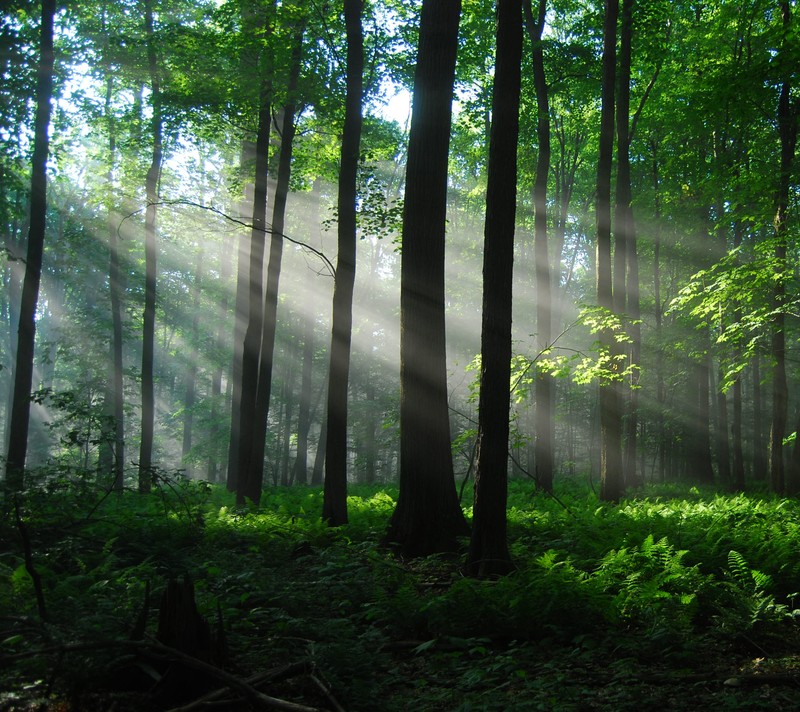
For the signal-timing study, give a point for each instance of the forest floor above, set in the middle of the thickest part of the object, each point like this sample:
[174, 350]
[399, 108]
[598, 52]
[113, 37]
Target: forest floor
[675, 599]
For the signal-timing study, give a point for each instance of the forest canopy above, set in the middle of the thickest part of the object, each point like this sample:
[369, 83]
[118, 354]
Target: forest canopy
[446, 254]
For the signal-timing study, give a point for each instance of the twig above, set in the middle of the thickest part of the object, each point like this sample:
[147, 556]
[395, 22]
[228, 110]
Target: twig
[283, 673]
[326, 691]
[29, 567]
[216, 211]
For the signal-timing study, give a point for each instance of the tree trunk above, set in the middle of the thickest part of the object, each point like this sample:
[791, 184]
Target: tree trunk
[787, 131]
[288, 400]
[611, 483]
[723, 444]
[253, 204]
[190, 395]
[334, 503]
[213, 474]
[300, 469]
[149, 319]
[736, 424]
[115, 432]
[661, 393]
[428, 517]
[700, 464]
[242, 435]
[23, 368]
[544, 387]
[488, 551]
[759, 444]
[252, 476]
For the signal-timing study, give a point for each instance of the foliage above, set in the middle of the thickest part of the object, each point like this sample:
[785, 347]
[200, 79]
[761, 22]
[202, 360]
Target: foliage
[663, 578]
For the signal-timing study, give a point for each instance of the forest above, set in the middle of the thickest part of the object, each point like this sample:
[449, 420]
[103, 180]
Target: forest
[429, 354]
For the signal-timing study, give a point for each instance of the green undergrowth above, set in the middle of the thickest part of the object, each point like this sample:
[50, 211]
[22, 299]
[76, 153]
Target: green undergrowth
[602, 598]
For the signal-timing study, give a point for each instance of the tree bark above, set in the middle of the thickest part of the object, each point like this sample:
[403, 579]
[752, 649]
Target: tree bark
[252, 476]
[625, 238]
[544, 386]
[787, 131]
[26, 335]
[428, 517]
[151, 267]
[190, 394]
[611, 483]
[488, 552]
[300, 469]
[334, 503]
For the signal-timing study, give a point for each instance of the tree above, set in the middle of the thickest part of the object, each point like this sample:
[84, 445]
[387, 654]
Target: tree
[788, 110]
[610, 416]
[251, 475]
[544, 387]
[427, 518]
[23, 369]
[334, 505]
[149, 322]
[488, 551]
[242, 431]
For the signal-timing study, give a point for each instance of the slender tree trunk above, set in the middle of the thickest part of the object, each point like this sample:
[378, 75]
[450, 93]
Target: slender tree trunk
[317, 473]
[190, 396]
[723, 444]
[253, 205]
[213, 474]
[23, 369]
[760, 467]
[149, 319]
[370, 427]
[242, 436]
[611, 482]
[288, 401]
[115, 435]
[300, 470]
[488, 551]
[661, 394]
[736, 425]
[428, 517]
[244, 272]
[700, 464]
[251, 478]
[544, 387]
[334, 503]
[787, 131]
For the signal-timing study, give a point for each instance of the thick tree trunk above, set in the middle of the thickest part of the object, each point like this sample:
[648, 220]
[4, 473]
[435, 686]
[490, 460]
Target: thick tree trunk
[26, 335]
[334, 503]
[428, 517]
[611, 482]
[488, 551]
[149, 318]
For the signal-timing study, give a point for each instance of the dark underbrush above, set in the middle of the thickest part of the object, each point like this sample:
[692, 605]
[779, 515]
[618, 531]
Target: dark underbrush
[678, 599]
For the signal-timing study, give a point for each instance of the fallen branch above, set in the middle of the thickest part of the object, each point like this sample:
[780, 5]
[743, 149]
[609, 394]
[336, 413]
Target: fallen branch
[283, 673]
[258, 699]
[327, 692]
